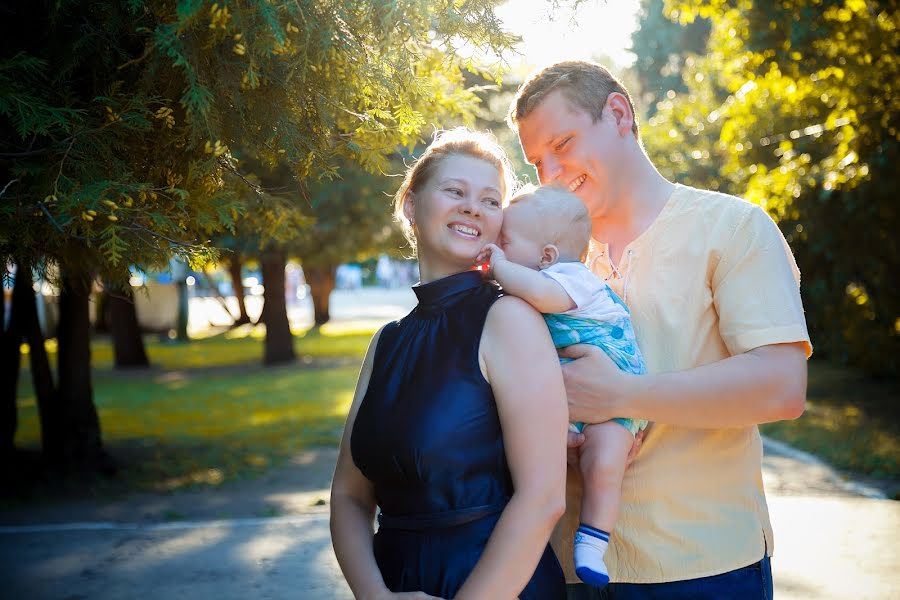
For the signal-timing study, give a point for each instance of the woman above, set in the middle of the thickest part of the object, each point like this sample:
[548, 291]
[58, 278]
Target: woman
[457, 430]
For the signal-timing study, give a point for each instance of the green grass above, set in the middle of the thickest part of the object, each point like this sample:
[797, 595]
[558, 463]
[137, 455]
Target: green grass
[185, 424]
[851, 421]
[241, 346]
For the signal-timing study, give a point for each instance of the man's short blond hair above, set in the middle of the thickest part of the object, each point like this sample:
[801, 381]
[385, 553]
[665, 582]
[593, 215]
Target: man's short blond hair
[587, 85]
[564, 220]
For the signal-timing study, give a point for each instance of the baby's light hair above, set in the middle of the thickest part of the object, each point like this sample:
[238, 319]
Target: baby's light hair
[564, 220]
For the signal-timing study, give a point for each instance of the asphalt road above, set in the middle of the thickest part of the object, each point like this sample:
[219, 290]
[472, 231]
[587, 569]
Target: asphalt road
[832, 542]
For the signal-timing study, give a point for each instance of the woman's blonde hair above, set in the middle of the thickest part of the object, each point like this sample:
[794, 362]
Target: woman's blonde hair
[451, 142]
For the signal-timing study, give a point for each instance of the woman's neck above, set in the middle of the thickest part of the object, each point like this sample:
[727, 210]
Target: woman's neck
[431, 271]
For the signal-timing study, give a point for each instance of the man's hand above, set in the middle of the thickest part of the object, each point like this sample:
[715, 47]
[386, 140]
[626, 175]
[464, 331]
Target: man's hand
[492, 254]
[596, 388]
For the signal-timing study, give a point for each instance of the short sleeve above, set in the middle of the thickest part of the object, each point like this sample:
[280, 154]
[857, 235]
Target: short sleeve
[578, 282]
[756, 287]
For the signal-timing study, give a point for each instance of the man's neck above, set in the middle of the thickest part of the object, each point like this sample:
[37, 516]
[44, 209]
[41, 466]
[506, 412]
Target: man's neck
[636, 205]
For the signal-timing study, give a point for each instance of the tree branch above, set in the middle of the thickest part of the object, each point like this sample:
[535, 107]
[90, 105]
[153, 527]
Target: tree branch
[3, 191]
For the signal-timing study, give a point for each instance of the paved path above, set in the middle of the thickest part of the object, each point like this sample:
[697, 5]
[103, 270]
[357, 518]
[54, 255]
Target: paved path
[832, 542]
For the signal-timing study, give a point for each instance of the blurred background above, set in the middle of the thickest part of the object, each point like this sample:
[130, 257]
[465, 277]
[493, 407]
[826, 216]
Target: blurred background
[195, 209]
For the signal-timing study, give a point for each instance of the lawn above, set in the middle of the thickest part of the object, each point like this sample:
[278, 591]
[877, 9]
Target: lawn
[208, 412]
[852, 421]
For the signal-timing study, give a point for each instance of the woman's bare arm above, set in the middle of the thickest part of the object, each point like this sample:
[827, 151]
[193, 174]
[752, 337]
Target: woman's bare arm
[519, 361]
[353, 504]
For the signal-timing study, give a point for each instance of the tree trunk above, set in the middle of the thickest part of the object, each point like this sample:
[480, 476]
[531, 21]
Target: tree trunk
[82, 441]
[101, 318]
[321, 282]
[237, 284]
[181, 332]
[128, 344]
[48, 403]
[279, 345]
[10, 362]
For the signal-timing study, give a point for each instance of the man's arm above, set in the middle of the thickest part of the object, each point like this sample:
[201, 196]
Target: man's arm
[763, 380]
[758, 386]
[538, 290]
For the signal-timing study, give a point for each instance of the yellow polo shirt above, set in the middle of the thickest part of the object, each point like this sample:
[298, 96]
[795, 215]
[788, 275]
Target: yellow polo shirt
[710, 278]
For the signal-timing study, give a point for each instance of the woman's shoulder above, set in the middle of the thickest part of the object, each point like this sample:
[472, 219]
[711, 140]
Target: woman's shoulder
[514, 333]
[511, 317]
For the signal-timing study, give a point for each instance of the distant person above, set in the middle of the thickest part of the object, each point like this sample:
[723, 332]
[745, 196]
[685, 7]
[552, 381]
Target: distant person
[384, 272]
[545, 236]
[462, 450]
[714, 297]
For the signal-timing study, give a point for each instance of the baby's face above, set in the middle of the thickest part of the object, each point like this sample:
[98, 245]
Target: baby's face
[521, 237]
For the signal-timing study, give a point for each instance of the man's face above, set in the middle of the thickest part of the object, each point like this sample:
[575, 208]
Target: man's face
[570, 149]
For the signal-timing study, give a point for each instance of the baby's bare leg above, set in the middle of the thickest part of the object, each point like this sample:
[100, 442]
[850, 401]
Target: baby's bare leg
[602, 461]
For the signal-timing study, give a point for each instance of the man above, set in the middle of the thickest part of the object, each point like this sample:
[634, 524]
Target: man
[714, 295]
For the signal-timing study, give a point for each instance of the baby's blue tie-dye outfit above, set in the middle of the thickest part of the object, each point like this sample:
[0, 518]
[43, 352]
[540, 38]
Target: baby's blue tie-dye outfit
[600, 318]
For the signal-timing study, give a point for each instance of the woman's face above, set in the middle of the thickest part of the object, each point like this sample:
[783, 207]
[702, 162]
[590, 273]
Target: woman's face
[457, 211]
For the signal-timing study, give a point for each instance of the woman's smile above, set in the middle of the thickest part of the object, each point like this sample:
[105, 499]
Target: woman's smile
[465, 230]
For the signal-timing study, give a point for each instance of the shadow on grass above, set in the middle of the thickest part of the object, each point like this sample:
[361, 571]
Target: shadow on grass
[851, 421]
[169, 465]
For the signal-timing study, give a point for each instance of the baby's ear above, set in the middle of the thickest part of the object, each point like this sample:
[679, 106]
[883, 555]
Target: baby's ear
[549, 255]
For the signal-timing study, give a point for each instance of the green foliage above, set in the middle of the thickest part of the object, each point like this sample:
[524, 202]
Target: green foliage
[122, 126]
[351, 219]
[794, 106]
[663, 49]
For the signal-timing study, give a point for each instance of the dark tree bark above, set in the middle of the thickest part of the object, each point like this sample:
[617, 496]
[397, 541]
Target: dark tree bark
[181, 332]
[10, 362]
[101, 315]
[49, 407]
[321, 280]
[128, 344]
[279, 345]
[24, 323]
[82, 440]
[261, 319]
[237, 284]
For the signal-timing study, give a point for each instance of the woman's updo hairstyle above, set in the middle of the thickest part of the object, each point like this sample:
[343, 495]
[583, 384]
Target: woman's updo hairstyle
[450, 142]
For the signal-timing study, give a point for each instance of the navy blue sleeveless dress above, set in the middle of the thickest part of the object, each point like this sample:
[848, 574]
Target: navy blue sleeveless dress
[428, 436]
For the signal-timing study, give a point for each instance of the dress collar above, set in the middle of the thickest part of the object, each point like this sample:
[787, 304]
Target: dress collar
[439, 291]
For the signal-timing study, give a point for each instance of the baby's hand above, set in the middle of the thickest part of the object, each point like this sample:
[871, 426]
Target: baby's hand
[491, 254]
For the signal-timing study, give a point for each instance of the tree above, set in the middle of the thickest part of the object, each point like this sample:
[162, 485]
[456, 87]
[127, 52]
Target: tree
[128, 344]
[351, 219]
[664, 48]
[117, 122]
[808, 129]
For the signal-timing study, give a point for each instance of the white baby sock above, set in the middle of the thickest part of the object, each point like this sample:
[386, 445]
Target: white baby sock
[590, 546]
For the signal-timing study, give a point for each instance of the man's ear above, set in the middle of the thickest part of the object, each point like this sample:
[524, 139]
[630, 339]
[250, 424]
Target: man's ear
[549, 255]
[618, 104]
[409, 207]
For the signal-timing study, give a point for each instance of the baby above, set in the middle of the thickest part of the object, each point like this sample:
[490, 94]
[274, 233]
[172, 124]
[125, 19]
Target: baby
[545, 236]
